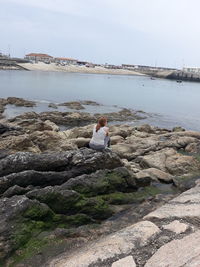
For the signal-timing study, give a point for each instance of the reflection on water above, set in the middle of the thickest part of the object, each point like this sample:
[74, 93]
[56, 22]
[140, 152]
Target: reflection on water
[175, 104]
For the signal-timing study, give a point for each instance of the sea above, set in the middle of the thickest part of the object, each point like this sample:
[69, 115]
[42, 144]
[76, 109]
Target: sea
[167, 103]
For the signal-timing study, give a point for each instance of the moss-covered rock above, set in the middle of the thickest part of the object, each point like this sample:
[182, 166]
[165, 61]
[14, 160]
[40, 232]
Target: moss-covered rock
[102, 182]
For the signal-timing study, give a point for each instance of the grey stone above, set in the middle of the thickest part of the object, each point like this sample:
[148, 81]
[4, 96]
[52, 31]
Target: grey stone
[125, 262]
[178, 253]
[176, 227]
[122, 242]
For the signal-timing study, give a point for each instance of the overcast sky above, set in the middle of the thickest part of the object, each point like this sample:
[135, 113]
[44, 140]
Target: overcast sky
[151, 32]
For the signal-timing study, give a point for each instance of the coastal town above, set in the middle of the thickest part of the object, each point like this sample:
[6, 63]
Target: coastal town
[45, 62]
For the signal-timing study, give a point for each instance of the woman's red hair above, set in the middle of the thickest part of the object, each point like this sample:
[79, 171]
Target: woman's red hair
[101, 123]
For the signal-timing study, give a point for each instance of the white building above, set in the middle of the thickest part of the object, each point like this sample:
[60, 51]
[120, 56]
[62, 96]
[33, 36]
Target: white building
[192, 70]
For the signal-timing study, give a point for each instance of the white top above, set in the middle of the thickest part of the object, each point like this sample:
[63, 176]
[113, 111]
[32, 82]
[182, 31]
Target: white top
[99, 136]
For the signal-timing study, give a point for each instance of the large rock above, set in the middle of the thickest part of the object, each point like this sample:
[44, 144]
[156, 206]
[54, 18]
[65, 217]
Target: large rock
[73, 105]
[20, 102]
[11, 212]
[102, 182]
[110, 247]
[83, 161]
[69, 202]
[127, 261]
[178, 253]
[168, 160]
[155, 175]
[187, 205]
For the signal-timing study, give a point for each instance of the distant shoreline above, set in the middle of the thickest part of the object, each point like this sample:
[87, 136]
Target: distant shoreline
[76, 69]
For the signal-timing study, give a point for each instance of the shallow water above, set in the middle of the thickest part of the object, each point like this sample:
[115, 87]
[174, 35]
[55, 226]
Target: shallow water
[170, 103]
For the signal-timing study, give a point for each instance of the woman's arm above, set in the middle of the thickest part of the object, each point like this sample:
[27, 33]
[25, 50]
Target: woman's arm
[106, 129]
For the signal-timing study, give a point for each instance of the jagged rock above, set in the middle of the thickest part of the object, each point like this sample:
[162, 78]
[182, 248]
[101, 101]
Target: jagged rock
[69, 202]
[168, 160]
[127, 261]
[20, 102]
[185, 182]
[187, 205]
[81, 142]
[84, 160]
[176, 227]
[178, 129]
[116, 139]
[51, 141]
[79, 132]
[193, 148]
[131, 165]
[35, 178]
[52, 105]
[11, 232]
[178, 253]
[89, 102]
[33, 125]
[16, 190]
[73, 105]
[145, 128]
[7, 128]
[52, 125]
[102, 182]
[110, 247]
[125, 151]
[155, 175]
[121, 130]
[18, 143]
[37, 141]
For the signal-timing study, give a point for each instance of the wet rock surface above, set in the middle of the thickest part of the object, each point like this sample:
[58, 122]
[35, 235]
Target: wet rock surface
[58, 196]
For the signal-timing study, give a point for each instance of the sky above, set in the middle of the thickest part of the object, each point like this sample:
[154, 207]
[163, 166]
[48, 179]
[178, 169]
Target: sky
[147, 32]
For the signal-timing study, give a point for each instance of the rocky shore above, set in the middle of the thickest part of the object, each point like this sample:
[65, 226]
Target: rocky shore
[63, 204]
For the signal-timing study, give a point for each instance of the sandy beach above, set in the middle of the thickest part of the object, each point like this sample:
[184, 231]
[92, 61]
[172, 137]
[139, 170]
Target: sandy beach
[73, 68]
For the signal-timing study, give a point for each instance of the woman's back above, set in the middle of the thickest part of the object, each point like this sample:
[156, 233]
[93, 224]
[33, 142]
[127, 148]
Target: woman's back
[98, 137]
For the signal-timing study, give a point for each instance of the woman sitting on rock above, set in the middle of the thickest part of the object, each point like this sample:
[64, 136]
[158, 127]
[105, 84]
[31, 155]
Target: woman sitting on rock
[100, 139]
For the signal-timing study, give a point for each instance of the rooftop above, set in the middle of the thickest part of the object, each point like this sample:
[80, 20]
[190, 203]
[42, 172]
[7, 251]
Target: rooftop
[65, 58]
[38, 55]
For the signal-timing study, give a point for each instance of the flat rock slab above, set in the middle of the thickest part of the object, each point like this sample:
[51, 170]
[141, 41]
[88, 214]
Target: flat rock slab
[122, 242]
[176, 227]
[178, 253]
[125, 262]
[185, 205]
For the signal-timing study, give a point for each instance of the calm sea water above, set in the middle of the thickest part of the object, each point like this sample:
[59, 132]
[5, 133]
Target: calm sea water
[170, 103]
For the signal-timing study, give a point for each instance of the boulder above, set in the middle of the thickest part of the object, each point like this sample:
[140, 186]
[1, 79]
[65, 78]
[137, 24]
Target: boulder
[183, 252]
[20, 102]
[102, 182]
[89, 102]
[116, 139]
[52, 105]
[52, 125]
[82, 161]
[73, 105]
[81, 142]
[69, 202]
[155, 175]
[168, 160]
[145, 128]
[112, 247]
[126, 261]
[178, 129]
[187, 205]
[12, 228]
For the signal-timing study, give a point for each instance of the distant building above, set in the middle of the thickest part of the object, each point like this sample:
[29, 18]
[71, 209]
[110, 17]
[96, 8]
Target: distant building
[39, 57]
[144, 68]
[192, 70]
[82, 63]
[65, 60]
